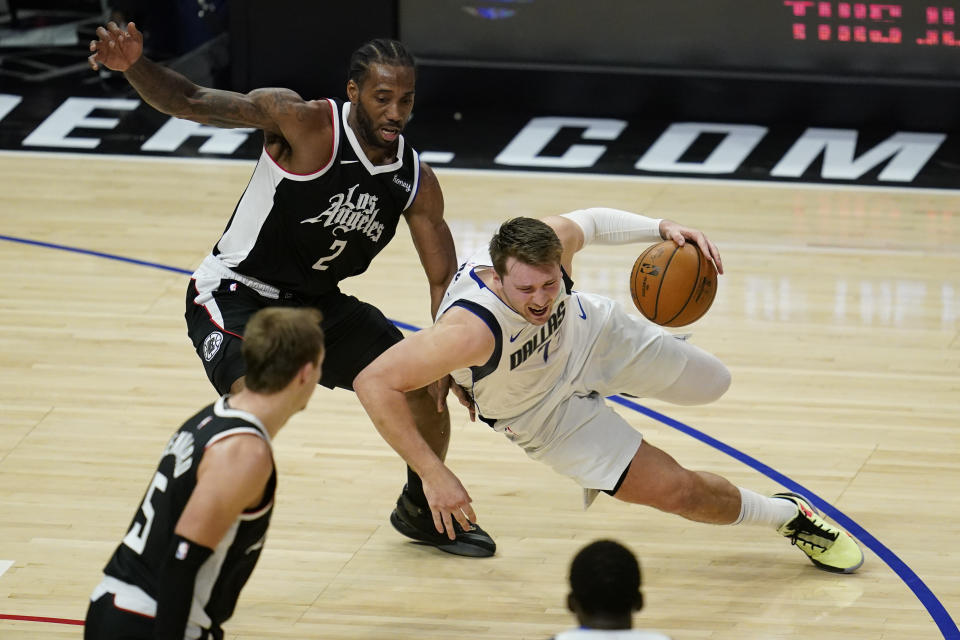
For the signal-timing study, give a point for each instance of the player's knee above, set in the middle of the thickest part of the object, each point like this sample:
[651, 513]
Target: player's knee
[417, 398]
[423, 405]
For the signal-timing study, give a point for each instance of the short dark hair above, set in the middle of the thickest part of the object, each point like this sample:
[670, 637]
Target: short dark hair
[380, 51]
[277, 342]
[605, 578]
[529, 240]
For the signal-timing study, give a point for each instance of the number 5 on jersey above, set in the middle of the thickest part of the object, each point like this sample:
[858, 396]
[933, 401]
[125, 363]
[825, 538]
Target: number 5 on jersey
[136, 538]
[336, 248]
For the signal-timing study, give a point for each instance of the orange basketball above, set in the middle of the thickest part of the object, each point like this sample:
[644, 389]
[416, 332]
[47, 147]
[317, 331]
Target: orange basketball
[673, 286]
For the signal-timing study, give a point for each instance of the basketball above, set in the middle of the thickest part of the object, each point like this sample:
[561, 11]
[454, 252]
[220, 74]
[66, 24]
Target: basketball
[673, 286]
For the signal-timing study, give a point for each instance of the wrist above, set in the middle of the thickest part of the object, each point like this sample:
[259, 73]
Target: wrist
[431, 469]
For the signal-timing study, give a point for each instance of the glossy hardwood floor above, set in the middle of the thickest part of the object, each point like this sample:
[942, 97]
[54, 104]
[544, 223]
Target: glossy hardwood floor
[839, 317]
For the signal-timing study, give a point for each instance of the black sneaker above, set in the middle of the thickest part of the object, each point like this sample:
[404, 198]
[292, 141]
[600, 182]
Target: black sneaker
[417, 522]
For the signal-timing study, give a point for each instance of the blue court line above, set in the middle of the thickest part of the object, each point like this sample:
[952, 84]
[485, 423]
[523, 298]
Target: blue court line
[98, 254]
[930, 602]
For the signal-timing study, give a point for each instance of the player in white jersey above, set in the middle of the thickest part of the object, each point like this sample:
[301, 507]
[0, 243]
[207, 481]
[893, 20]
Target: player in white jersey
[605, 593]
[536, 359]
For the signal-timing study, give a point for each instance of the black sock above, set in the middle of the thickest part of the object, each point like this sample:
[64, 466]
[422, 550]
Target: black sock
[414, 488]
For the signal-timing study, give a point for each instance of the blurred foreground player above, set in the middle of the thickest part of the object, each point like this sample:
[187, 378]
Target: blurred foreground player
[605, 593]
[198, 533]
[327, 194]
[537, 360]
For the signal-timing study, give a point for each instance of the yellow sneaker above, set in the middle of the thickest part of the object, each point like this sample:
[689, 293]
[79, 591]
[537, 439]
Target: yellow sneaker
[828, 547]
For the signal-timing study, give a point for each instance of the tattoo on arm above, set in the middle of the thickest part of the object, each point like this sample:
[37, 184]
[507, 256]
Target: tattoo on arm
[173, 94]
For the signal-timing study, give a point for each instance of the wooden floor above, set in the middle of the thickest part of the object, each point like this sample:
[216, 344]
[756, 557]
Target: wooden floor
[839, 317]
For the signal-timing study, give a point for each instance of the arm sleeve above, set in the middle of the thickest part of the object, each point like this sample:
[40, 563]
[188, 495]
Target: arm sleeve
[613, 226]
[175, 587]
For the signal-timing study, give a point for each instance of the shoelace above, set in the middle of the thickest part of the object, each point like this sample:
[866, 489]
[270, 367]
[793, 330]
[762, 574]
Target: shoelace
[821, 531]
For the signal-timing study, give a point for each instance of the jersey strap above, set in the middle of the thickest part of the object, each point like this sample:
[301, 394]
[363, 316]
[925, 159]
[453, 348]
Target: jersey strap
[484, 314]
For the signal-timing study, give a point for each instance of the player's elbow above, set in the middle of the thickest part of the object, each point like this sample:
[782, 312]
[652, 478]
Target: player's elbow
[719, 384]
[373, 382]
[365, 384]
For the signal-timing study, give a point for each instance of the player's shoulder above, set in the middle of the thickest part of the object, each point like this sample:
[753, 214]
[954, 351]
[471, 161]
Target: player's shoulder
[242, 449]
[287, 104]
[322, 109]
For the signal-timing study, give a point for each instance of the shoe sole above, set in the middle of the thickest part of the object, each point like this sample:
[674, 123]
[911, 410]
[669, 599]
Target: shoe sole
[454, 547]
[826, 567]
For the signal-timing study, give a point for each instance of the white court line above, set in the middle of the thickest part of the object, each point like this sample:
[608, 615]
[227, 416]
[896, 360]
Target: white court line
[4, 565]
[517, 173]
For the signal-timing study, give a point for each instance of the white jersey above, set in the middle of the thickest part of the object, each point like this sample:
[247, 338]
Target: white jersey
[527, 360]
[544, 385]
[610, 634]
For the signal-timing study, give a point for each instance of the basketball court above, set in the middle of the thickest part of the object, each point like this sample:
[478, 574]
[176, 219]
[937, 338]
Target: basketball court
[839, 317]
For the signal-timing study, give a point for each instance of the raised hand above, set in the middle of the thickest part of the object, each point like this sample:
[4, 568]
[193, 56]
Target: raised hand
[116, 49]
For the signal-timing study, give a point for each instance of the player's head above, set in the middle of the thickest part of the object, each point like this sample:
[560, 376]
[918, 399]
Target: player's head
[380, 85]
[605, 586]
[526, 258]
[282, 345]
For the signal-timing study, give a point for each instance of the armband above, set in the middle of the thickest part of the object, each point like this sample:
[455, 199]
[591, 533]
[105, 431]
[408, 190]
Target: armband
[175, 583]
[613, 226]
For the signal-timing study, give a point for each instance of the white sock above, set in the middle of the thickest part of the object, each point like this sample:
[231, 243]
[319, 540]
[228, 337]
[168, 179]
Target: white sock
[763, 510]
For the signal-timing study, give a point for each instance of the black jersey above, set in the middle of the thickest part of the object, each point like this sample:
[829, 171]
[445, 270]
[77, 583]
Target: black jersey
[304, 233]
[133, 570]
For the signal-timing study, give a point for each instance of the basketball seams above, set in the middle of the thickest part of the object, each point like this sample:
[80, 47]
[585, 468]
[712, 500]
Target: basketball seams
[663, 281]
[693, 289]
[633, 276]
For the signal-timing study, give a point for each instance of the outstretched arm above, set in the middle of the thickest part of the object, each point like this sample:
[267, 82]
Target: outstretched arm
[278, 111]
[458, 340]
[600, 225]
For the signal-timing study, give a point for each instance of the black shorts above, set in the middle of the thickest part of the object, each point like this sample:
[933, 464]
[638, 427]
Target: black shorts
[107, 622]
[355, 332]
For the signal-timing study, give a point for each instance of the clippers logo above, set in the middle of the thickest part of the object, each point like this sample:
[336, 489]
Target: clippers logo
[541, 340]
[211, 345]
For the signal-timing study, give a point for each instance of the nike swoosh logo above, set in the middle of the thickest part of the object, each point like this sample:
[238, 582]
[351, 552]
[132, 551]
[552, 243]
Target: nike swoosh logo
[583, 314]
[516, 335]
[349, 161]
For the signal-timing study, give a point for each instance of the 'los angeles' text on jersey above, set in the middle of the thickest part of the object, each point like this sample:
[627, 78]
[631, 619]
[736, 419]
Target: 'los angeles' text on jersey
[349, 211]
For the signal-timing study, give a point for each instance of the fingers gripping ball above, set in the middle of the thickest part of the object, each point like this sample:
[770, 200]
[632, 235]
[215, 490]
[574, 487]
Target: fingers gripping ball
[671, 285]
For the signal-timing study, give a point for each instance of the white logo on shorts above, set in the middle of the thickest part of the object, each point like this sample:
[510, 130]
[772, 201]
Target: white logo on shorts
[211, 345]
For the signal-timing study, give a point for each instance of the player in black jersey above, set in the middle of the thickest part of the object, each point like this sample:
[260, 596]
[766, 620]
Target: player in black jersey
[198, 533]
[326, 196]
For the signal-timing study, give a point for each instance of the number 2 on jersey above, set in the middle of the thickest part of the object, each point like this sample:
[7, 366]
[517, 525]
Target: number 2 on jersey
[336, 248]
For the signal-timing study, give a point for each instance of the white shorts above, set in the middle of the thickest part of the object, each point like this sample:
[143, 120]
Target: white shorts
[573, 429]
